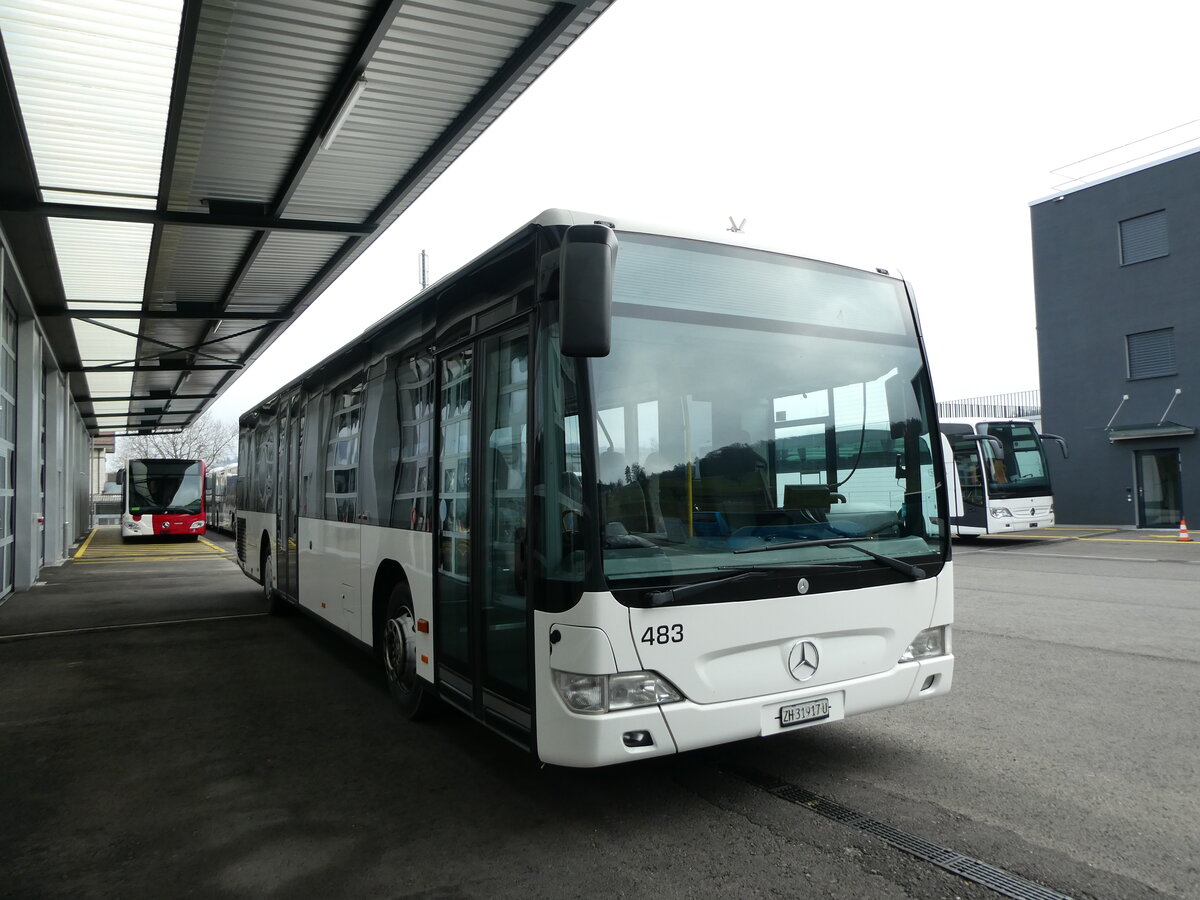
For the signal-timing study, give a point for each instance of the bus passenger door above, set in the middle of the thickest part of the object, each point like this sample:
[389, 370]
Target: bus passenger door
[482, 607]
[287, 511]
[503, 469]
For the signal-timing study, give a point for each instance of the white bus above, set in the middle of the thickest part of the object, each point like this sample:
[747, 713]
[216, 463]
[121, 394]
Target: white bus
[616, 493]
[221, 497]
[1003, 475]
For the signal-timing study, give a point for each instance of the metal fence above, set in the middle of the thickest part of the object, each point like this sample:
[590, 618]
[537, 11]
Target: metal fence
[1018, 405]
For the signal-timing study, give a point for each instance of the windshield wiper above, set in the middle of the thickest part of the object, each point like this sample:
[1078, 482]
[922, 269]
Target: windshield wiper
[913, 572]
[680, 594]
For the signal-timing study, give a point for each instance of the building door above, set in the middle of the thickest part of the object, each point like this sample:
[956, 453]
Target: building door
[1159, 488]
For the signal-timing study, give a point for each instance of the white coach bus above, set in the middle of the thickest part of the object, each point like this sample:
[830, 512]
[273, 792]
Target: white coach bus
[617, 493]
[1003, 475]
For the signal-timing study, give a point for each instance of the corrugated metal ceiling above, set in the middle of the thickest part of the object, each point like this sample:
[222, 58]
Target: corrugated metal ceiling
[192, 218]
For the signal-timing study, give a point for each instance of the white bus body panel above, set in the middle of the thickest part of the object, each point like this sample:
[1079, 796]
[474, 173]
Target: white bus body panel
[258, 524]
[1028, 514]
[732, 665]
[329, 572]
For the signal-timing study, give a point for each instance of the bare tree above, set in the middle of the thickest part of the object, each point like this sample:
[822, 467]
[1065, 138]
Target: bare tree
[207, 438]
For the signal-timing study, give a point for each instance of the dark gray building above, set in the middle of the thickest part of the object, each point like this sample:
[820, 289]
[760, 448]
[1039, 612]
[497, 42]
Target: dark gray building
[1117, 279]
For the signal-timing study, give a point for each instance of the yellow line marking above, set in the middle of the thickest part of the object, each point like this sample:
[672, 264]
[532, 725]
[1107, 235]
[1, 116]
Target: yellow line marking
[83, 547]
[209, 543]
[991, 538]
[108, 561]
[1135, 540]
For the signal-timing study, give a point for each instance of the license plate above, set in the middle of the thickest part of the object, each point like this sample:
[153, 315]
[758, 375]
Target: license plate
[808, 711]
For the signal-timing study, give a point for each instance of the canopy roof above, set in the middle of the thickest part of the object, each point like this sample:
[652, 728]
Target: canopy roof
[180, 179]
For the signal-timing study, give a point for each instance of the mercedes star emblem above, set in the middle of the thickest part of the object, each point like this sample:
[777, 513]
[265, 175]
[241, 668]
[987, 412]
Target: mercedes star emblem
[803, 660]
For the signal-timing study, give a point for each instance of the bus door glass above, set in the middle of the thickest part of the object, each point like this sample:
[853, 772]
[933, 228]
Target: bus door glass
[503, 466]
[291, 436]
[482, 609]
[452, 630]
[969, 461]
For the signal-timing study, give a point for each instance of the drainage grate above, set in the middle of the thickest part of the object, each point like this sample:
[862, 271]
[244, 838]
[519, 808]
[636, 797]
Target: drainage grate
[964, 867]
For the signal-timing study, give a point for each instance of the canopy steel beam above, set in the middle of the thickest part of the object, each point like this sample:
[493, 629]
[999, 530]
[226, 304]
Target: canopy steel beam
[190, 219]
[170, 315]
[151, 398]
[140, 368]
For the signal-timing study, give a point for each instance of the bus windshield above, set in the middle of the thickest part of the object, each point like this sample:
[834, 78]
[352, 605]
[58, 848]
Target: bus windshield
[752, 399]
[164, 486]
[1020, 469]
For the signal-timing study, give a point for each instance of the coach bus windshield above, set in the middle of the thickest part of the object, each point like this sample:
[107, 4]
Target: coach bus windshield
[751, 401]
[1019, 469]
[163, 486]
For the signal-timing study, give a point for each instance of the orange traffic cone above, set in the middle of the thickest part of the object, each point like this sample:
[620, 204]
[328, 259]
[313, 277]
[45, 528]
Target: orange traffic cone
[1183, 535]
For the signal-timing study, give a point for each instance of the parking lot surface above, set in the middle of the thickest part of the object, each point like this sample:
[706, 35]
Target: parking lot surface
[163, 737]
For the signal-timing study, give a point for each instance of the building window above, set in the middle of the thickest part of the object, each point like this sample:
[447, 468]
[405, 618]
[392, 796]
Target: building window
[1143, 238]
[1151, 353]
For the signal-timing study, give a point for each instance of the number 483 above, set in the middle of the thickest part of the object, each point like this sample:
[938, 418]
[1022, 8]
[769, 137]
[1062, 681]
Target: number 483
[663, 634]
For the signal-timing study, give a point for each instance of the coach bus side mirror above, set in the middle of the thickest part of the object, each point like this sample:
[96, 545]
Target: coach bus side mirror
[1061, 441]
[121, 476]
[995, 442]
[586, 262]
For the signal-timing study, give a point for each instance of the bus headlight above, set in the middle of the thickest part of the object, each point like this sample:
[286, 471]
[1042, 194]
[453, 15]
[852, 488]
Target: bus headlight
[930, 642]
[1000, 512]
[607, 693]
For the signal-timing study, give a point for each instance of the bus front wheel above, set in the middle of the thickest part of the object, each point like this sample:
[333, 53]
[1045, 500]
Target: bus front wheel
[400, 657]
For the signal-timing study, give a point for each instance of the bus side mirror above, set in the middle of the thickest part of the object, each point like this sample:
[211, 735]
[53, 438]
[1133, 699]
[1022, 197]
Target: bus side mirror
[121, 475]
[586, 262]
[996, 445]
[1061, 441]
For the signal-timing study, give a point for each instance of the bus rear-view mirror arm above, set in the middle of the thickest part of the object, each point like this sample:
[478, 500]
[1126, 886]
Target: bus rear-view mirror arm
[1061, 441]
[997, 446]
[586, 262]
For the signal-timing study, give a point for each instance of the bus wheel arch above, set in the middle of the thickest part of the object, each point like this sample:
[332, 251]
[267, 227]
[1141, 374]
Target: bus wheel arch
[395, 640]
[274, 601]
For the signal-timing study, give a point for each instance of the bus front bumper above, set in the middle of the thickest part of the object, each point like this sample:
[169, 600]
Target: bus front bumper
[571, 739]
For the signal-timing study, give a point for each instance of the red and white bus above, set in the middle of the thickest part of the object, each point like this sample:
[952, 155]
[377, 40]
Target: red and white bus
[162, 497]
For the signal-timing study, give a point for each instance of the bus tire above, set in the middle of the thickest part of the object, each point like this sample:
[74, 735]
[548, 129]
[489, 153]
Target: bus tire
[398, 645]
[276, 605]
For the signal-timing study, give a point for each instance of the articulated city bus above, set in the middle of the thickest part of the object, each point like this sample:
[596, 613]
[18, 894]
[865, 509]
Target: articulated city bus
[162, 498]
[617, 493]
[1004, 478]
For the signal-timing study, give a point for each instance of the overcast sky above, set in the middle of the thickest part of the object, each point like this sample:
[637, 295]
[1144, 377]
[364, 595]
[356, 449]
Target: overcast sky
[907, 136]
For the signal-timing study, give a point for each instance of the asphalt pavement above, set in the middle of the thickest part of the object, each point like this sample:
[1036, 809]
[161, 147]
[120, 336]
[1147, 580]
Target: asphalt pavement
[161, 736]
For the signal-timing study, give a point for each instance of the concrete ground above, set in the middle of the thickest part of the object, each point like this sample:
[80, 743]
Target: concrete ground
[161, 736]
